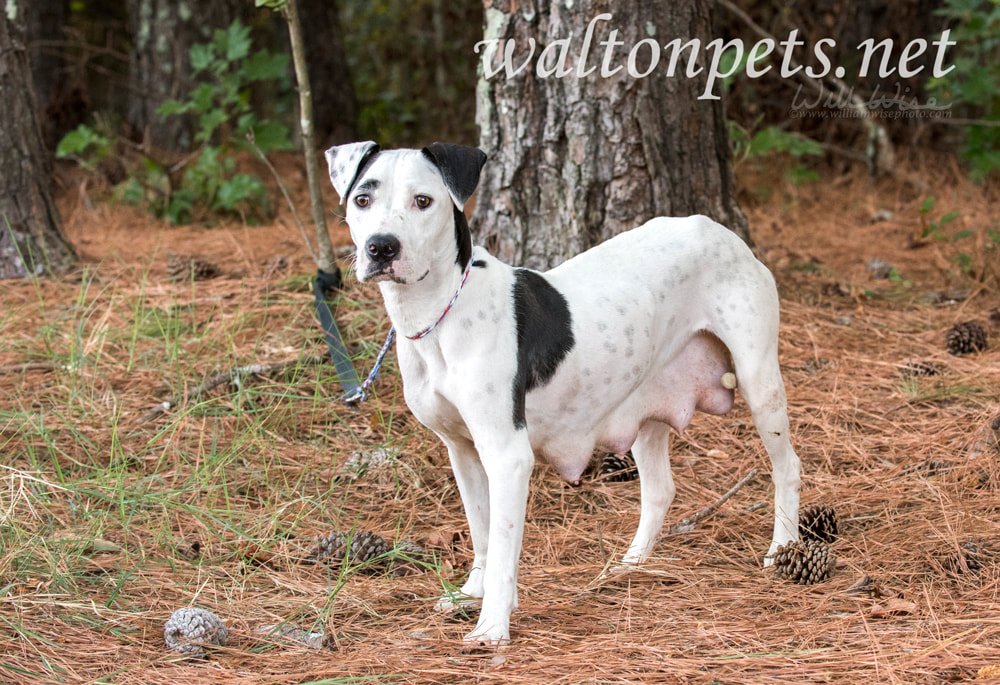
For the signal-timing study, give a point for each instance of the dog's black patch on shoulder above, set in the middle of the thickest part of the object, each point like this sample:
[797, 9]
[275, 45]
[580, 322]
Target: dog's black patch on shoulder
[479, 264]
[544, 335]
[463, 238]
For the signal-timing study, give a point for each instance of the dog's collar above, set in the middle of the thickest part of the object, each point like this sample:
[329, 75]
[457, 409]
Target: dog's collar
[360, 395]
[427, 331]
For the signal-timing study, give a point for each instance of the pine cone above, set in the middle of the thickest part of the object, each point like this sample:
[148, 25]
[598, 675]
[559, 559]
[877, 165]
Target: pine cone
[189, 629]
[805, 561]
[364, 547]
[361, 462]
[327, 546]
[936, 467]
[819, 522]
[182, 268]
[408, 561]
[973, 555]
[915, 367]
[618, 468]
[965, 338]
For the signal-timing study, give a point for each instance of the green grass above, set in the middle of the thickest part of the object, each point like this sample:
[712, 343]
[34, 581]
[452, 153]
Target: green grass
[96, 508]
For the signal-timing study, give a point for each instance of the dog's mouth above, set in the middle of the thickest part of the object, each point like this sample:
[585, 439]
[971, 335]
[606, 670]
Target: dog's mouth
[384, 274]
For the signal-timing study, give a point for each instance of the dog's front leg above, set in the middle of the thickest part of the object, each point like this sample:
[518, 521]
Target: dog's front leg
[508, 462]
[473, 486]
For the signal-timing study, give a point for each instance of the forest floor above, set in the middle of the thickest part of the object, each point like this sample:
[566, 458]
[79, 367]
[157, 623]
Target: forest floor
[110, 522]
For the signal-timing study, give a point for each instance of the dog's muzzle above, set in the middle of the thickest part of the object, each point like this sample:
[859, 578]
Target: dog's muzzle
[382, 250]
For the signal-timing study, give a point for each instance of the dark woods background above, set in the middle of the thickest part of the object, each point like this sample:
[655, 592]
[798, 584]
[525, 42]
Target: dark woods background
[404, 71]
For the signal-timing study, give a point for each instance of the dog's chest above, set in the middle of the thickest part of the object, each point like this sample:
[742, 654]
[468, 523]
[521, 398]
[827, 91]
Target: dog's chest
[426, 390]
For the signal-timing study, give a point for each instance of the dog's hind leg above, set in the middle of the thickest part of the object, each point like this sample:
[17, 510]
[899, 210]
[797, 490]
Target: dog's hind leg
[765, 393]
[656, 484]
[754, 350]
[473, 486]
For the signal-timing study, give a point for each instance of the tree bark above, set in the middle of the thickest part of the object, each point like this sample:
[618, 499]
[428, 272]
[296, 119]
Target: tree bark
[45, 21]
[324, 257]
[575, 160]
[163, 32]
[335, 107]
[30, 241]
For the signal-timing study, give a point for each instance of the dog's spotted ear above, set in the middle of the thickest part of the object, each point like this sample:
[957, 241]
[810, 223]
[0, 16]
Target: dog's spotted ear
[459, 166]
[346, 163]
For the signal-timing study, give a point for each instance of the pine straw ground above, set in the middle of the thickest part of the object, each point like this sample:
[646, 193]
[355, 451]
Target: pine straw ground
[110, 525]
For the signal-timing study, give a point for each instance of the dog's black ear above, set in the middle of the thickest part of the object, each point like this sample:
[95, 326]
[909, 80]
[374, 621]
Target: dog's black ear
[346, 163]
[459, 166]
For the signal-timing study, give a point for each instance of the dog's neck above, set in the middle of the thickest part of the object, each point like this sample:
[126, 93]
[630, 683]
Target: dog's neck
[413, 307]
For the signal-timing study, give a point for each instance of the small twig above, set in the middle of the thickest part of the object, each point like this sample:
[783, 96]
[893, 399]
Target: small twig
[30, 366]
[183, 161]
[688, 524]
[227, 378]
[600, 545]
[284, 191]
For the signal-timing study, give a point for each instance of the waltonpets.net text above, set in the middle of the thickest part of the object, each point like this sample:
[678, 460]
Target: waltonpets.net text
[557, 59]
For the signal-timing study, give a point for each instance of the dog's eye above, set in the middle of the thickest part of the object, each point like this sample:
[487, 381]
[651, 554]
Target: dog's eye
[362, 201]
[423, 202]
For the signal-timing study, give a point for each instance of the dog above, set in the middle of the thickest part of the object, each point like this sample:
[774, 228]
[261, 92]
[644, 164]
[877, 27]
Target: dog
[608, 350]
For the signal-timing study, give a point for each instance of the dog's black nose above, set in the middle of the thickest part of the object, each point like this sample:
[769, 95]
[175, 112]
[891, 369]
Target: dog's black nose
[382, 248]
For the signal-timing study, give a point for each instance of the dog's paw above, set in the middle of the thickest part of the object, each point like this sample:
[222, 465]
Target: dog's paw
[492, 637]
[773, 550]
[618, 571]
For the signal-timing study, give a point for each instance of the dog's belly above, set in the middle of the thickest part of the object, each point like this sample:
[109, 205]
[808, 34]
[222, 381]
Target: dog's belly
[568, 419]
[641, 303]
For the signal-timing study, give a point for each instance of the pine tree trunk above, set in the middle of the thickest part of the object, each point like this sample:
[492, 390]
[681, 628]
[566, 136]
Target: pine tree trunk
[576, 160]
[334, 104]
[44, 22]
[30, 242]
[163, 32]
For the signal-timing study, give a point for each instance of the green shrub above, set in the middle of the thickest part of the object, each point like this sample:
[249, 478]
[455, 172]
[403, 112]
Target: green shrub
[974, 83]
[208, 179]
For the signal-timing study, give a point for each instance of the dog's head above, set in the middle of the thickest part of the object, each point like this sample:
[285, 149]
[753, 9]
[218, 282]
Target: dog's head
[405, 207]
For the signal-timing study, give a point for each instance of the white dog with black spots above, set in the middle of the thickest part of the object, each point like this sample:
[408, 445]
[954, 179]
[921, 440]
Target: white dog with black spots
[608, 351]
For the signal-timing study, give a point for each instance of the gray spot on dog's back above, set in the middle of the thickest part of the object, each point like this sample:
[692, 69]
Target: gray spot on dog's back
[610, 347]
[601, 326]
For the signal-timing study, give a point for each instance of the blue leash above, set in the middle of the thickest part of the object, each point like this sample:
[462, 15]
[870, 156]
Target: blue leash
[348, 376]
[360, 393]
